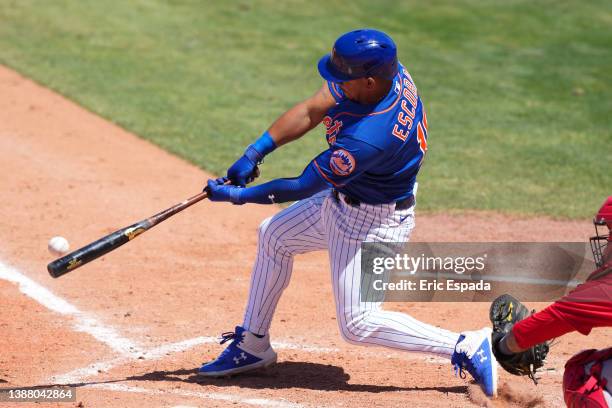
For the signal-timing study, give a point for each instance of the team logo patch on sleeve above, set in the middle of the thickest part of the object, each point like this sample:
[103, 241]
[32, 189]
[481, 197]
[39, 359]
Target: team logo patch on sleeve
[342, 163]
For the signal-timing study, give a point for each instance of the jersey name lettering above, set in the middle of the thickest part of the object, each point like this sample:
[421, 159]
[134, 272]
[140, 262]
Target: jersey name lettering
[405, 117]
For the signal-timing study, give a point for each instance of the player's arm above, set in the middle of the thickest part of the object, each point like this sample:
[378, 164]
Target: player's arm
[336, 166]
[301, 118]
[275, 191]
[289, 126]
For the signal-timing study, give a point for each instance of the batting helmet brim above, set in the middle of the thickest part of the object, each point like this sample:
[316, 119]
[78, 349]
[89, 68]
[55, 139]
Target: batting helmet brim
[329, 72]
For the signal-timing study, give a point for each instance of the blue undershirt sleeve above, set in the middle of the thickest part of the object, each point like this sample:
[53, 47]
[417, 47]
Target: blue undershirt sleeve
[285, 189]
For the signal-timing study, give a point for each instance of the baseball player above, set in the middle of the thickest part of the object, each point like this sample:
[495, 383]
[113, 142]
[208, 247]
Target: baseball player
[588, 375]
[361, 189]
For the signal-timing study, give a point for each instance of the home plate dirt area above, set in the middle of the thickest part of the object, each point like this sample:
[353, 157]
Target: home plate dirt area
[132, 328]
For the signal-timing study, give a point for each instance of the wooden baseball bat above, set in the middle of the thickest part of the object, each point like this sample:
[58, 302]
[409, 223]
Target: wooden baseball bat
[112, 241]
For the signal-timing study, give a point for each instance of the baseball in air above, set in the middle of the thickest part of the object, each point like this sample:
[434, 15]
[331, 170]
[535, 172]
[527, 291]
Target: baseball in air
[58, 246]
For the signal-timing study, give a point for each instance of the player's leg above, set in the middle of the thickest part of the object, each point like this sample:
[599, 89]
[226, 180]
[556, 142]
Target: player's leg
[295, 230]
[366, 323]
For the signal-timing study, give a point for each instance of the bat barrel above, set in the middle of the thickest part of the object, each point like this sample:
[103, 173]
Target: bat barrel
[96, 249]
[114, 240]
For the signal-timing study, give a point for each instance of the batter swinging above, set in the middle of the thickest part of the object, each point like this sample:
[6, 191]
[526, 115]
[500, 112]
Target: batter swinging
[362, 189]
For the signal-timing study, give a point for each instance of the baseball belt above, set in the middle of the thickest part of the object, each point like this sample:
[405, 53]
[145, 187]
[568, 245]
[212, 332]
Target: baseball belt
[354, 202]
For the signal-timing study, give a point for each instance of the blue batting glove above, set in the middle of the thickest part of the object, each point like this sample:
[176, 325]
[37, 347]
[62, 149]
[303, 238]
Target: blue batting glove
[219, 191]
[244, 170]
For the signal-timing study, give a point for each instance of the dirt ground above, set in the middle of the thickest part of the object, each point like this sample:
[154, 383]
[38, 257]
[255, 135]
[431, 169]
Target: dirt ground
[132, 328]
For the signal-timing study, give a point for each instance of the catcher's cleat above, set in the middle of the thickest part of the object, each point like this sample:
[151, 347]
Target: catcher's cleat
[473, 353]
[245, 353]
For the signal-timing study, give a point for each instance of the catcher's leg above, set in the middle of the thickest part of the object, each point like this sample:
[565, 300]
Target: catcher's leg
[366, 323]
[587, 380]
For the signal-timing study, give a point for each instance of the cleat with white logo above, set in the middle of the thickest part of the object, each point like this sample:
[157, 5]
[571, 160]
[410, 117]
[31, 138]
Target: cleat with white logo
[245, 353]
[473, 353]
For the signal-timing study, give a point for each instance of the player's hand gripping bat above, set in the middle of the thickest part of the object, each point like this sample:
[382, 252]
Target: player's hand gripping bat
[112, 241]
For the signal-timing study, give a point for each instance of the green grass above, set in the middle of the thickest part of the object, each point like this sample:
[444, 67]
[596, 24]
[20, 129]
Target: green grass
[518, 93]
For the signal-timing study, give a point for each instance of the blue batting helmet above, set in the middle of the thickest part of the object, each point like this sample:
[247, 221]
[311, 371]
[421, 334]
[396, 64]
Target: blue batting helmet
[359, 54]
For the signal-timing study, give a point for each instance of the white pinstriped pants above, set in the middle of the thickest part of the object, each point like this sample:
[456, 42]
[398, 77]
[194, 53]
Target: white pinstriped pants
[322, 222]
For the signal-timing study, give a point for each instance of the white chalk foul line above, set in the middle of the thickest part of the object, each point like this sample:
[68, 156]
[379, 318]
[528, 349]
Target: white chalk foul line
[233, 398]
[83, 322]
[80, 374]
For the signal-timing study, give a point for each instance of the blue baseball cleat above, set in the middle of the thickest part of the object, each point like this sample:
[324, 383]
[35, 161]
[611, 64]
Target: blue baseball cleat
[245, 353]
[473, 352]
